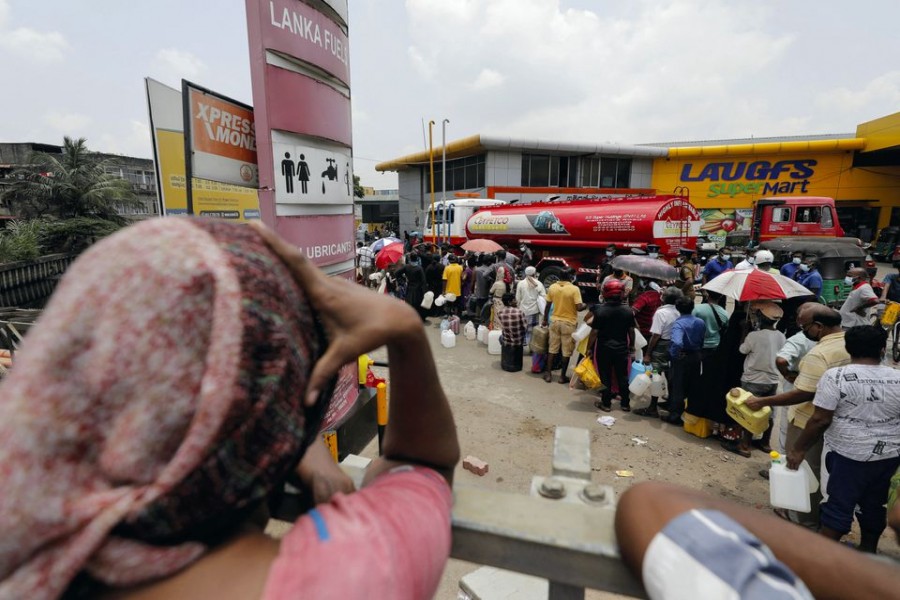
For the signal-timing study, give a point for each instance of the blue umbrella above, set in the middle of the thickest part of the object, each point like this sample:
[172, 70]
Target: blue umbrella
[379, 244]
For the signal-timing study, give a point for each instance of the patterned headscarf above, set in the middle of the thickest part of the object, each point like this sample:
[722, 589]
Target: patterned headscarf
[158, 397]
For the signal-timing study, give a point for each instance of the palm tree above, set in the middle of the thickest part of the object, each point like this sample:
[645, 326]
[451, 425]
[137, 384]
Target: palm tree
[73, 184]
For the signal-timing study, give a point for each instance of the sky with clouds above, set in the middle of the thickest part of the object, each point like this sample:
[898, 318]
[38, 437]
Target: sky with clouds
[576, 70]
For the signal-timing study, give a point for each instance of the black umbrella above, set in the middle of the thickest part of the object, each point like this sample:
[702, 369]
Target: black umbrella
[644, 266]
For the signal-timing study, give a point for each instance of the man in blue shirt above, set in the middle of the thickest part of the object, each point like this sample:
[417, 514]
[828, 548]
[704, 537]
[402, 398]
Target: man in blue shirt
[685, 353]
[809, 277]
[718, 265]
[792, 269]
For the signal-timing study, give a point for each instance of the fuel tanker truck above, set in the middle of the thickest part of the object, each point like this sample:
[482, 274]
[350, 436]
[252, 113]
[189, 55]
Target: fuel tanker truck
[572, 233]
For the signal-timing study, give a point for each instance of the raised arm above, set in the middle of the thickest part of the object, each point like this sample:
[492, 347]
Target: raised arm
[421, 428]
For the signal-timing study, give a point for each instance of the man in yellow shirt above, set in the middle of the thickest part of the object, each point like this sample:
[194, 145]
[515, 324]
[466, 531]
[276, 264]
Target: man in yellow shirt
[452, 284]
[822, 325]
[564, 299]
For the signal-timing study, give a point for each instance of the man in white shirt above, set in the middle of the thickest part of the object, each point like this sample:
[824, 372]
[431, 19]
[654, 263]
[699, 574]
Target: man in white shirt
[855, 309]
[748, 262]
[365, 260]
[857, 406]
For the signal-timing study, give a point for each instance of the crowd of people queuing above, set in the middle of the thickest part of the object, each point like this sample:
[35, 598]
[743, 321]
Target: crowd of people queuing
[161, 404]
[794, 356]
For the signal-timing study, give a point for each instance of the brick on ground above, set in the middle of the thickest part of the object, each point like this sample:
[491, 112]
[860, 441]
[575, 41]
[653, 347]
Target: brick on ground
[475, 465]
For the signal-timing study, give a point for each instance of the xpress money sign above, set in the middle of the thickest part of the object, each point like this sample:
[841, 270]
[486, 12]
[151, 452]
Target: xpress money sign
[759, 177]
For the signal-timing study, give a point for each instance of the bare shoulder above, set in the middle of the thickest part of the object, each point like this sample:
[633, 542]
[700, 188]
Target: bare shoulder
[235, 570]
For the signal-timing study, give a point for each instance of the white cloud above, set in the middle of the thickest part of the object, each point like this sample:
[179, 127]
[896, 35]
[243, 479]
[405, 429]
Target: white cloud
[29, 43]
[879, 95]
[131, 138]
[488, 78]
[651, 74]
[67, 123]
[172, 64]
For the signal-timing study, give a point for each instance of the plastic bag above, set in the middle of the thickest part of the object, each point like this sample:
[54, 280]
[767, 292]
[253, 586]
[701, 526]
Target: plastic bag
[893, 490]
[454, 324]
[588, 375]
[445, 325]
[540, 340]
[639, 340]
[538, 362]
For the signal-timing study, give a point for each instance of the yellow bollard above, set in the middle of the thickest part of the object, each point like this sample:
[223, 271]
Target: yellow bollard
[381, 412]
[365, 361]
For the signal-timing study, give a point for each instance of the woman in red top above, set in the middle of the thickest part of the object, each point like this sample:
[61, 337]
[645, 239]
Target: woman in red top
[645, 306]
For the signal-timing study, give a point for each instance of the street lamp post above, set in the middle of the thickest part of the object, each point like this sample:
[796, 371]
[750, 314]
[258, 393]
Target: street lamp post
[444, 174]
[431, 167]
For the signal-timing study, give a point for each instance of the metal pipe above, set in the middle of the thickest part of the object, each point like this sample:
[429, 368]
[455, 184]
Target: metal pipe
[431, 168]
[444, 173]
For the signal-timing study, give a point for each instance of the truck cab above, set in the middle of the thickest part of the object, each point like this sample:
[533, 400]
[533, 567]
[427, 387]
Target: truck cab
[450, 217]
[813, 216]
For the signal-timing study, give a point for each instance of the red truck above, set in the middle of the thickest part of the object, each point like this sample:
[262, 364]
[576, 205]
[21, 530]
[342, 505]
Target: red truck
[573, 233]
[808, 216]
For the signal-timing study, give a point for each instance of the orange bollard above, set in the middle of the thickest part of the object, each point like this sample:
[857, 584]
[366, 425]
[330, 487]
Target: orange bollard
[381, 411]
[331, 441]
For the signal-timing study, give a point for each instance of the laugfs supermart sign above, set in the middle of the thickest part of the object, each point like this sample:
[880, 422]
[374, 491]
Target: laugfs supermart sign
[299, 62]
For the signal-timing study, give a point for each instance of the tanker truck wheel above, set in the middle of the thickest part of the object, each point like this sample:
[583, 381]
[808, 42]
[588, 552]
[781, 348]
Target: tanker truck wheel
[551, 275]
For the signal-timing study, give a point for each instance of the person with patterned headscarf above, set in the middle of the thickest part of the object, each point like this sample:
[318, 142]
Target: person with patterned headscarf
[177, 376]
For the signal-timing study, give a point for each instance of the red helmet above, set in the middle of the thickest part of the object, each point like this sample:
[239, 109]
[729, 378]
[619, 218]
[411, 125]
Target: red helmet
[613, 288]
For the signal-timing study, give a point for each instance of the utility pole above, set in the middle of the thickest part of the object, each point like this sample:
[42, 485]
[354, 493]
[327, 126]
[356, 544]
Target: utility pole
[431, 166]
[444, 174]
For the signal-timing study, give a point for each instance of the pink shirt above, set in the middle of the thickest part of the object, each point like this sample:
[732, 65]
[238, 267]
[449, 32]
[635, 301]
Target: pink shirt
[389, 540]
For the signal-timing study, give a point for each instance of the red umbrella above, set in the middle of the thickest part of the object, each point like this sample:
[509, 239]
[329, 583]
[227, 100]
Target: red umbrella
[389, 255]
[481, 246]
[753, 284]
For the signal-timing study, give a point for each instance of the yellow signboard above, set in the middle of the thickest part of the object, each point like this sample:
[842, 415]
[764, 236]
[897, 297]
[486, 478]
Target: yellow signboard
[737, 180]
[211, 198]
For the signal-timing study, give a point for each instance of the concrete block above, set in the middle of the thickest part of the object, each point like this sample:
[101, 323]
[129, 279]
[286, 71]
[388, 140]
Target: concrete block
[475, 465]
[489, 583]
[572, 452]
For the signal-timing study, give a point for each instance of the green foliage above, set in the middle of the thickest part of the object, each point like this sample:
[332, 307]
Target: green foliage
[358, 190]
[74, 235]
[20, 240]
[27, 240]
[74, 184]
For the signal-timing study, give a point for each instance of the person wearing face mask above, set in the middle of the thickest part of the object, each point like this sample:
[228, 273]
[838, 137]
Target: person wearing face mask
[809, 276]
[792, 269]
[606, 264]
[855, 309]
[719, 265]
[822, 325]
[652, 251]
[749, 261]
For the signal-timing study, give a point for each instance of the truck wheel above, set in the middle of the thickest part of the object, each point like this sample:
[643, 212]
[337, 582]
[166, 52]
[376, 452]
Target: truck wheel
[551, 275]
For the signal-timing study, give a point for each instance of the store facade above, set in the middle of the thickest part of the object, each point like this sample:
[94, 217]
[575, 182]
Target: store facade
[860, 170]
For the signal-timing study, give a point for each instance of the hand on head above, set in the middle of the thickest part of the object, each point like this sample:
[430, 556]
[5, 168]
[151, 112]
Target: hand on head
[357, 320]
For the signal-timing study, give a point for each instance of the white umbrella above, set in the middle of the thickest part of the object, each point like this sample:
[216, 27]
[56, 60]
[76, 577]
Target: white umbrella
[377, 245]
[752, 284]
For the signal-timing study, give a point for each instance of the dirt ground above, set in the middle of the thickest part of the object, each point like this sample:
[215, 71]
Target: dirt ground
[508, 420]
